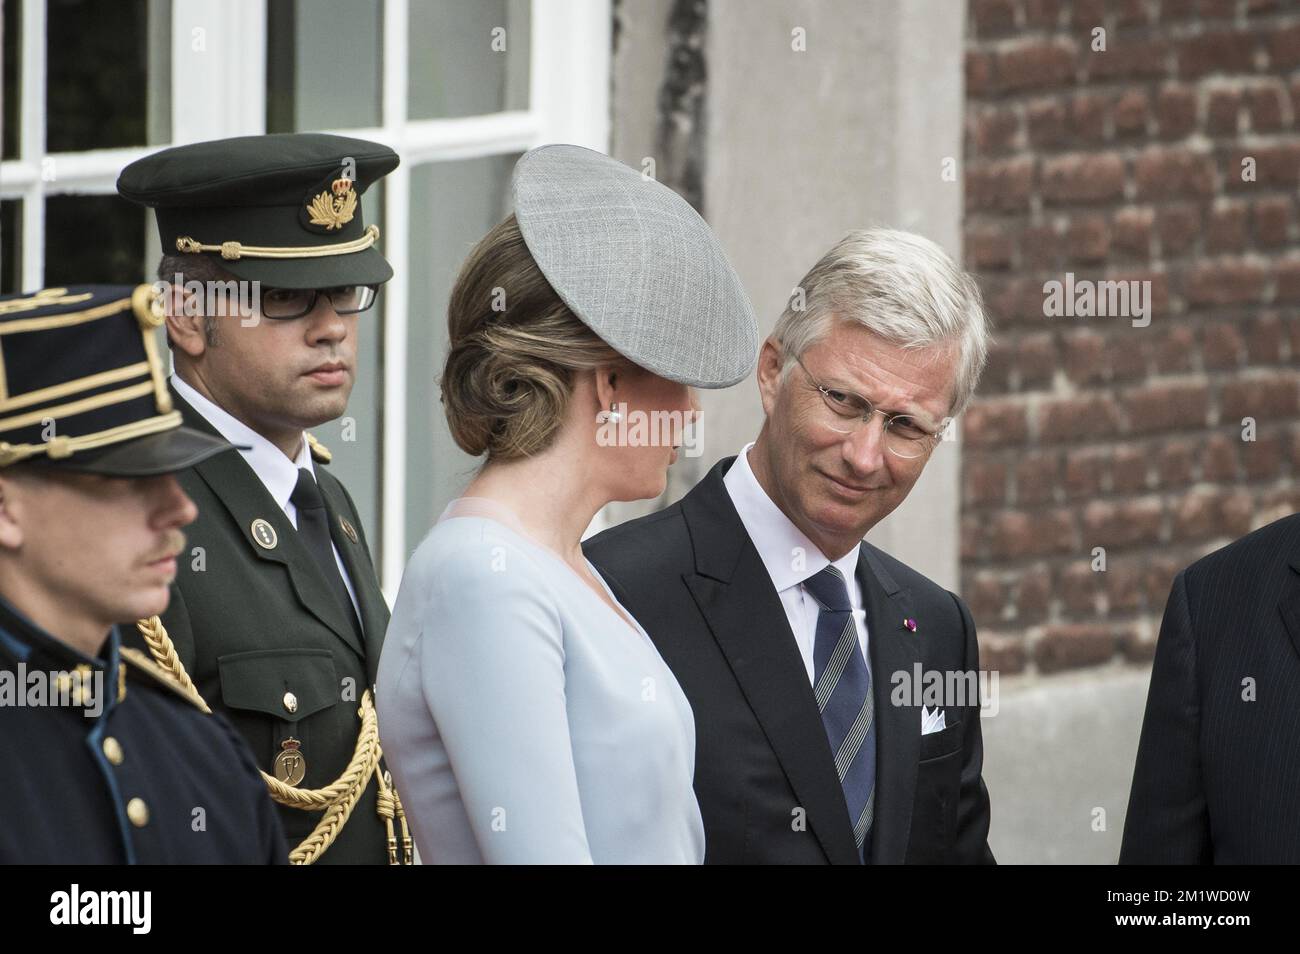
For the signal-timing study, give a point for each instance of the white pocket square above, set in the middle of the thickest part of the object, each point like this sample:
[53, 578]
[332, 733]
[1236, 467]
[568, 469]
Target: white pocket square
[932, 721]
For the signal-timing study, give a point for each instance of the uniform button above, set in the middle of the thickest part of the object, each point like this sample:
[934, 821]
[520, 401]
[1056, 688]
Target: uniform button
[291, 702]
[113, 750]
[138, 812]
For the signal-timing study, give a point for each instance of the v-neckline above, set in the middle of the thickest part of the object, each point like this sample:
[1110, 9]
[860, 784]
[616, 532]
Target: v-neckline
[628, 620]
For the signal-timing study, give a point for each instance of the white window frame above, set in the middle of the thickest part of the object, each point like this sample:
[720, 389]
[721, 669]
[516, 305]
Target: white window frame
[220, 90]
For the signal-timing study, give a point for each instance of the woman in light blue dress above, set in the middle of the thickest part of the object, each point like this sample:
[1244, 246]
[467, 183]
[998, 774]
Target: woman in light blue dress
[525, 715]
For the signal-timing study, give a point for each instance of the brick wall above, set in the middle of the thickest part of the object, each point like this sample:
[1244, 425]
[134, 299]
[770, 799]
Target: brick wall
[1088, 431]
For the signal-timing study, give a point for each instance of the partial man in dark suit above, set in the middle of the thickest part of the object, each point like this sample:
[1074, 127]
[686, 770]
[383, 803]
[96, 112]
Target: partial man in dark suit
[276, 615]
[797, 643]
[1218, 765]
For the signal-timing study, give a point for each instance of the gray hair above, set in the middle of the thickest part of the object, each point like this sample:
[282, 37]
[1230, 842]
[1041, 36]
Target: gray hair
[901, 287]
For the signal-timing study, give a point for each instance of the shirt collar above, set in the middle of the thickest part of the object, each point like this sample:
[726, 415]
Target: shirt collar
[277, 472]
[776, 538]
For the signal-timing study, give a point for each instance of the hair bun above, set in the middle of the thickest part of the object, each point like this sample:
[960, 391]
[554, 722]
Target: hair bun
[499, 399]
[514, 347]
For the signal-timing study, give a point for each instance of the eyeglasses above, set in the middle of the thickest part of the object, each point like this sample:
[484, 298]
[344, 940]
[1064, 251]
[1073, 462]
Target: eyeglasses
[296, 302]
[904, 436]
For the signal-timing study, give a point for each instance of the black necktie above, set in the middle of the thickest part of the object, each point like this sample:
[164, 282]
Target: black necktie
[314, 528]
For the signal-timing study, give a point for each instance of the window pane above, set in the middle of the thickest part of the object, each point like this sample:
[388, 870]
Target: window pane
[467, 58]
[9, 52]
[453, 204]
[11, 263]
[356, 439]
[95, 238]
[105, 69]
[322, 64]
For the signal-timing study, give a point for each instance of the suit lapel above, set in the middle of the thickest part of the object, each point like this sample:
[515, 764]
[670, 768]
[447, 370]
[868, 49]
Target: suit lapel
[352, 550]
[244, 495]
[893, 649]
[735, 594]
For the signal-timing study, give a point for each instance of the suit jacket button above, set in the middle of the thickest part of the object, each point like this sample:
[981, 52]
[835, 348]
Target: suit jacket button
[113, 750]
[138, 812]
[291, 702]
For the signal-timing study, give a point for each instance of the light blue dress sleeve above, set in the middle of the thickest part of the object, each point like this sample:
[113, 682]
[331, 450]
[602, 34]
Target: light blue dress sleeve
[492, 671]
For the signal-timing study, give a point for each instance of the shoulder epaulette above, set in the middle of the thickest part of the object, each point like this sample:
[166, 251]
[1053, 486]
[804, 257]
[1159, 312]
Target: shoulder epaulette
[139, 664]
[319, 451]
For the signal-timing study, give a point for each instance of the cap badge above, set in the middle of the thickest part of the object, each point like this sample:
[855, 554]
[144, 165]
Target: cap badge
[333, 211]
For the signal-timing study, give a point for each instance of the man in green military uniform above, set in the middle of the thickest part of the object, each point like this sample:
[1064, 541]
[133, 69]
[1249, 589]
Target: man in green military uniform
[276, 614]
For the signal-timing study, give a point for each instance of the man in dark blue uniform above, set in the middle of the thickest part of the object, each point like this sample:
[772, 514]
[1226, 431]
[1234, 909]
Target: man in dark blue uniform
[106, 758]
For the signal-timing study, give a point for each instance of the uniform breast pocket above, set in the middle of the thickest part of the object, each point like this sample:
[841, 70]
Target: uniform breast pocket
[270, 692]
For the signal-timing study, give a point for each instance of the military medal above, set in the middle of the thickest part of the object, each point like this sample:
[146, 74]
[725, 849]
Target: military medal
[264, 534]
[349, 531]
[290, 766]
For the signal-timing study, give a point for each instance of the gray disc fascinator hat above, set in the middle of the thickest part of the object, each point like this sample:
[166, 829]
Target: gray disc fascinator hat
[636, 264]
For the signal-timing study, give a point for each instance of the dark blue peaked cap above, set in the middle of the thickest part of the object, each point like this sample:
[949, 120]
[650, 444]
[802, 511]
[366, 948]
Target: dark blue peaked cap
[82, 385]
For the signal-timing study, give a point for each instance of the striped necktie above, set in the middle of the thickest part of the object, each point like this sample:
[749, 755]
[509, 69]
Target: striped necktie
[842, 686]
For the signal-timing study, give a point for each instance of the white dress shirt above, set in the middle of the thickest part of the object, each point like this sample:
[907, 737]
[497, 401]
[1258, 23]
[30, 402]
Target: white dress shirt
[790, 558]
[278, 473]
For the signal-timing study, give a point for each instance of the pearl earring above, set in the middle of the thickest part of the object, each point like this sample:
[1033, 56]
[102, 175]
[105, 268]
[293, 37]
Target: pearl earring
[612, 416]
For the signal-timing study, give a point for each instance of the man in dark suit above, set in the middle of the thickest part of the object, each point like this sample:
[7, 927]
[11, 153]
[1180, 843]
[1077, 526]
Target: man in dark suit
[106, 759]
[276, 615]
[798, 644]
[1218, 764]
